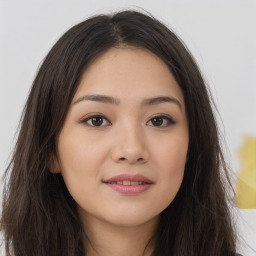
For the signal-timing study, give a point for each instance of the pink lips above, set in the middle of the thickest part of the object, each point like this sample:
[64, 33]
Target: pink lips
[129, 184]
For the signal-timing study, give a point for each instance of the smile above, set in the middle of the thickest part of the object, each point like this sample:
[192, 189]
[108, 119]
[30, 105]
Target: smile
[129, 184]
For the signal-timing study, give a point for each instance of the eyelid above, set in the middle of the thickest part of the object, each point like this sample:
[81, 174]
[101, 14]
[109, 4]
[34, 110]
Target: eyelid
[170, 120]
[85, 119]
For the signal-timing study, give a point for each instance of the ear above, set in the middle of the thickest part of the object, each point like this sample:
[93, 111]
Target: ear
[54, 165]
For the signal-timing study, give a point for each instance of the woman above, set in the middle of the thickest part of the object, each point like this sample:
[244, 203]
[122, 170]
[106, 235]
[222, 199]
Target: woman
[118, 151]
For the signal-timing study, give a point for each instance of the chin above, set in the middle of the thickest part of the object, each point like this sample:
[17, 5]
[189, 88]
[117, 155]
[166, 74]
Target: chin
[129, 219]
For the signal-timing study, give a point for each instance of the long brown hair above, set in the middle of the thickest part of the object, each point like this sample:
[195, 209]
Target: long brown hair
[40, 217]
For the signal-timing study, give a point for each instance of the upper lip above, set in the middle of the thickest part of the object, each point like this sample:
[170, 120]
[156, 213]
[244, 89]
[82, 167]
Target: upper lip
[129, 177]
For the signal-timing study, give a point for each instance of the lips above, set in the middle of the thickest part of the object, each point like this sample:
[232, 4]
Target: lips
[130, 178]
[129, 184]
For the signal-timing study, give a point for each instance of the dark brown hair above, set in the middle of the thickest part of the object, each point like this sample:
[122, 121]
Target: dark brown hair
[39, 215]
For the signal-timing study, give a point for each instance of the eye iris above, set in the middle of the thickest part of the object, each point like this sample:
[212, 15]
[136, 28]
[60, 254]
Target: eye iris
[97, 121]
[157, 121]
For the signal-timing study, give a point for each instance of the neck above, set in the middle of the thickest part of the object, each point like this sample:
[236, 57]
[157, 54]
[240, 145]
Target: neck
[105, 239]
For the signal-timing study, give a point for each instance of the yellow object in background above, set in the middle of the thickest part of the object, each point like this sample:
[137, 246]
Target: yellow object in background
[246, 184]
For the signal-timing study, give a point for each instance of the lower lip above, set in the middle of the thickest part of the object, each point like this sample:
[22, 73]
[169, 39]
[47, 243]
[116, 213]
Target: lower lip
[129, 190]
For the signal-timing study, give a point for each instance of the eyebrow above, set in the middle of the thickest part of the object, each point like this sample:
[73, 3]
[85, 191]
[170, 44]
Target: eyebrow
[115, 101]
[161, 99]
[99, 98]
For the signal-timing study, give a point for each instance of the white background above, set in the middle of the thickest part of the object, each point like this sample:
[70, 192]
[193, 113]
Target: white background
[220, 34]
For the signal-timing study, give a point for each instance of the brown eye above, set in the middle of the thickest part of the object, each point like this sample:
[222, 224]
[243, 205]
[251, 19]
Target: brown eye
[157, 121]
[96, 121]
[161, 121]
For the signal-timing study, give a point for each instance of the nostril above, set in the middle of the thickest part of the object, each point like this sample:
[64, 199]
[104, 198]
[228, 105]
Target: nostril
[131, 160]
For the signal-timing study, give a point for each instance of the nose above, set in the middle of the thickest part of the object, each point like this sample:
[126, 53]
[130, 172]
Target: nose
[130, 146]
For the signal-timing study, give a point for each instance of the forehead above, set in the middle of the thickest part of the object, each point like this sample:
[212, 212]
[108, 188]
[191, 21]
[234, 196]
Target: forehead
[129, 72]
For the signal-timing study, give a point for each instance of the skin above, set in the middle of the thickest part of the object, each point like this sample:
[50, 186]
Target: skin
[128, 141]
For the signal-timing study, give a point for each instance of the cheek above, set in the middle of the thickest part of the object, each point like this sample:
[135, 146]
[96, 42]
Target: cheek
[76, 150]
[170, 162]
[80, 161]
[171, 152]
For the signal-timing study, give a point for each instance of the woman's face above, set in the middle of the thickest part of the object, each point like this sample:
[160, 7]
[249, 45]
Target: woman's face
[123, 146]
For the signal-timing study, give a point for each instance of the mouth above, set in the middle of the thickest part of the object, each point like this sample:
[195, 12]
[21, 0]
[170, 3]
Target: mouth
[129, 184]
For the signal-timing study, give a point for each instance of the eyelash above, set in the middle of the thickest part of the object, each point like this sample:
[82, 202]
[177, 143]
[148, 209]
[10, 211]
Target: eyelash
[164, 117]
